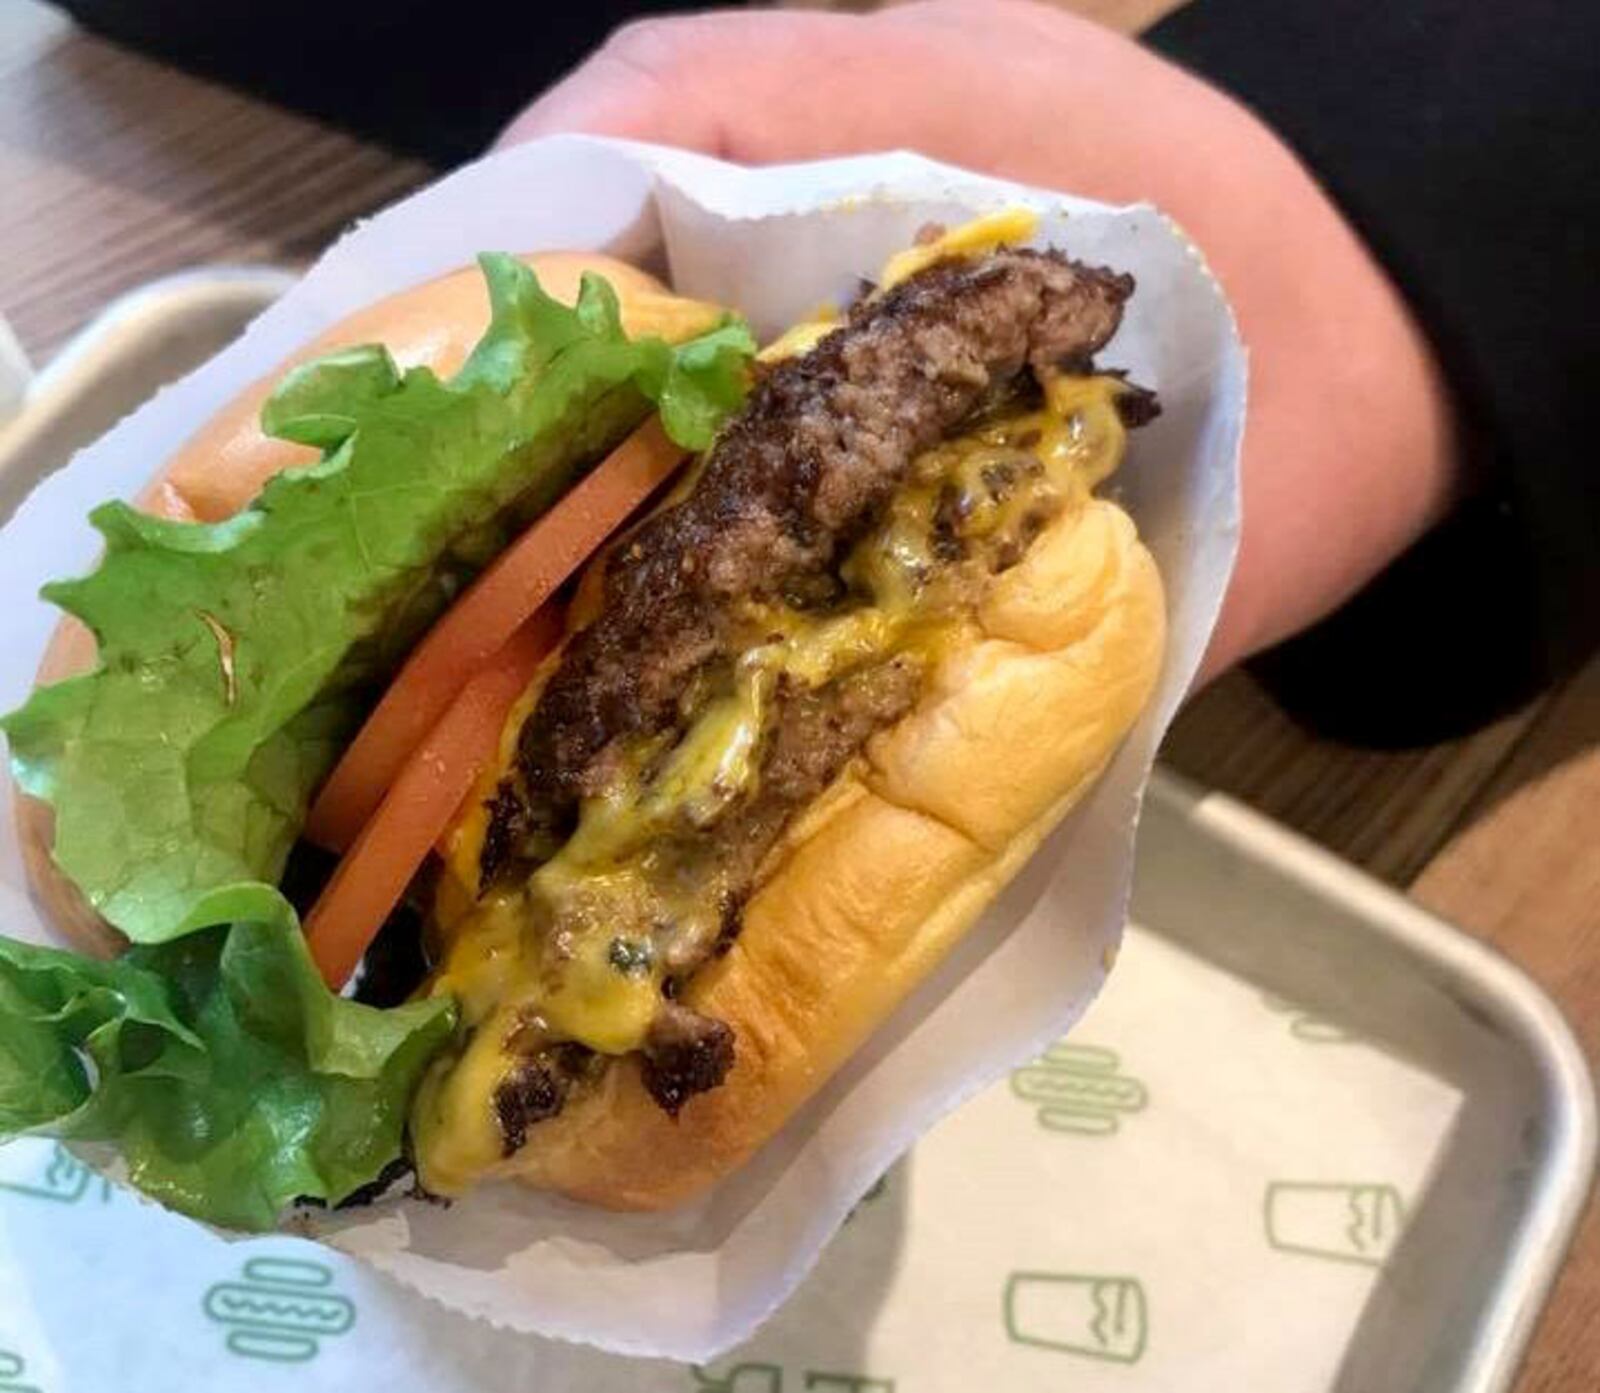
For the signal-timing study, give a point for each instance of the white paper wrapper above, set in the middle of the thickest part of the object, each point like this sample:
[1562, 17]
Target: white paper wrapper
[773, 242]
[1171, 1201]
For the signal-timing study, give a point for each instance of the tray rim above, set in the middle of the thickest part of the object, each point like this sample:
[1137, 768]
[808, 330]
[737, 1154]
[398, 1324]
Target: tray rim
[106, 342]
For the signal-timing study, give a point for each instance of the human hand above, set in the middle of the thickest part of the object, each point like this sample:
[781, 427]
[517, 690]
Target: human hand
[1349, 453]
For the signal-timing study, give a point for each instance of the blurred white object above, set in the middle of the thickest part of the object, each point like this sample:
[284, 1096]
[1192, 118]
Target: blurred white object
[139, 342]
[15, 370]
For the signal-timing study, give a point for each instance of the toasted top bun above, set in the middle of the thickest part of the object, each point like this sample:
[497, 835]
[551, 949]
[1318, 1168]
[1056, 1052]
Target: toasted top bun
[878, 880]
[224, 465]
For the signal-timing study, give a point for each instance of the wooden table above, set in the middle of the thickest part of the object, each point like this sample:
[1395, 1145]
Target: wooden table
[114, 170]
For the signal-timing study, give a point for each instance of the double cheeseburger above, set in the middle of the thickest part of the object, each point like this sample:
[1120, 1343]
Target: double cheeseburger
[704, 771]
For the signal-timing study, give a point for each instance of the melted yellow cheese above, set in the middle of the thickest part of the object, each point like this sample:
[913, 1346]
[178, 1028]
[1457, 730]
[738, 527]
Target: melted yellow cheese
[591, 999]
[453, 1124]
[801, 337]
[570, 954]
[1002, 229]
[461, 847]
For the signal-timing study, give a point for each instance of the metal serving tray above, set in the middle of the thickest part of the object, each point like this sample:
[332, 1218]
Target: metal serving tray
[1461, 1294]
[1458, 1298]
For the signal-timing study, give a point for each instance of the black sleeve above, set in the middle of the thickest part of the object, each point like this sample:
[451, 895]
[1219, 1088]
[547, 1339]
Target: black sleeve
[429, 79]
[1462, 139]
[1460, 136]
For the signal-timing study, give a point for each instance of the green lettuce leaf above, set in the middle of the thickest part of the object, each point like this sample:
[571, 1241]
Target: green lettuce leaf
[230, 1078]
[236, 657]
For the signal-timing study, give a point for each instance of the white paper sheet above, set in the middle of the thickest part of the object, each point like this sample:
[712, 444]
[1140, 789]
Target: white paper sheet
[1198, 1190]
[772, 242]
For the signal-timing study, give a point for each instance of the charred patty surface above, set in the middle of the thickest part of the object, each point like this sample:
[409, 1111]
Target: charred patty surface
[801, 475]
[795, 478]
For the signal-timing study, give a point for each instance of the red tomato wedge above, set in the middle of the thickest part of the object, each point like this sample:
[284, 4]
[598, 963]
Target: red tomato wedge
[419, 806]
[480, 624]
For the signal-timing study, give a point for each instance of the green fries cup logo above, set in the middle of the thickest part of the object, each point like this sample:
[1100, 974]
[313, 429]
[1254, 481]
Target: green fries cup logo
[768, 1378]
[1078, 1089]
[1306, 1026]
[1097, 1317]
[49, 1173]
[281, 1309]
[1357, 1223]
[741, 1378]
[11, 1369]
[847, 1383]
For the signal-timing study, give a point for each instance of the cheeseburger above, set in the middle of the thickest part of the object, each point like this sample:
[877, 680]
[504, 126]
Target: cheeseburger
[622, 721]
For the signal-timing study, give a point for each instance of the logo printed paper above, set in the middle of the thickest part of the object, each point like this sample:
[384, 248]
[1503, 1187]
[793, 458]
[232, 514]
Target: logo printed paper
[1098, 1317]
[741, 1378]
[50, 1172]
[1359, 1223]
[1308, 1027]
[1078, 1089]
[768, 1378]
[847, 1383]
[12, 1369]
[280, 1311]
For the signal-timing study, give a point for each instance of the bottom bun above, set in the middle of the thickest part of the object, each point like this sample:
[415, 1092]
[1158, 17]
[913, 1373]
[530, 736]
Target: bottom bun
[880, 878]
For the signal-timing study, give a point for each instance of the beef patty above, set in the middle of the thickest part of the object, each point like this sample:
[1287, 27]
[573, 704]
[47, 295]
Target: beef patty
[800, 473]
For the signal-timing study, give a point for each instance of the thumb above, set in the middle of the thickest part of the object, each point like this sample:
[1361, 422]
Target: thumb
[643, 83]
[757, 87]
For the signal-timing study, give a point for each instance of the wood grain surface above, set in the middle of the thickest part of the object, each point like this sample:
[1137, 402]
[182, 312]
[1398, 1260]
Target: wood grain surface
[114, 170]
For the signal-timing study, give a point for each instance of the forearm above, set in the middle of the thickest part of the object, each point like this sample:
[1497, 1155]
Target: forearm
[1350, 451]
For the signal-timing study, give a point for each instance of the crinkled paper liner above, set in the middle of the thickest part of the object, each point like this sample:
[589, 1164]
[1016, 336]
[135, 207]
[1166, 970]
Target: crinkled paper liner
[774, 242]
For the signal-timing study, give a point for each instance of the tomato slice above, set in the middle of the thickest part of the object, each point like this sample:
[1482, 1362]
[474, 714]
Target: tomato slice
[480, 624]
[421, 803]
